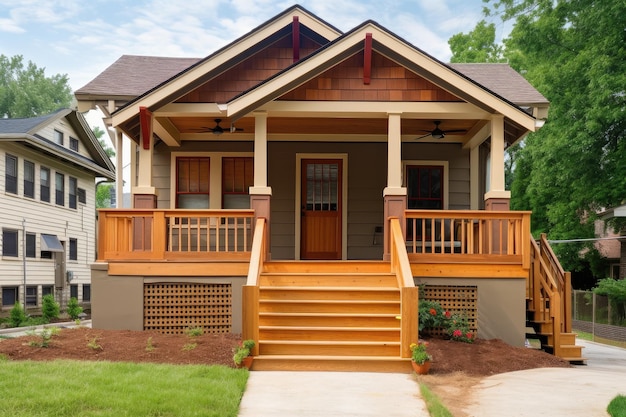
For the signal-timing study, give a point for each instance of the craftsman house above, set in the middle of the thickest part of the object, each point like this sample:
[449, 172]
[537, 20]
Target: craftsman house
[300, 183]
[48, 167]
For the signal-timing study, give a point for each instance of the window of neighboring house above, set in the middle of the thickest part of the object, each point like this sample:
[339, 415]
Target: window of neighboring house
[73, 191]
[59, 184]
[46, 290]
[74, 291]
[11, 174]
[73, 144]
[192, 186]
[31, 295]
[31, 246]
[73, 249]
[237, 178]
[45, 254]
[29, 179]
[9, 296]
[44, 184]
[9, 242]
[82, 195]
[58, 137]
[86, 292]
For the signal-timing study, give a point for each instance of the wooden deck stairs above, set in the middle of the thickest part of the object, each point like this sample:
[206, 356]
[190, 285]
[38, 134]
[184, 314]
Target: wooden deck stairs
[548, 305]
[329, 316]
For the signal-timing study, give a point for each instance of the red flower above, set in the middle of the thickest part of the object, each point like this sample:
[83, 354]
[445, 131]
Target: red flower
[457, 333]
[447, 314]
[433, 312]
[469, 335]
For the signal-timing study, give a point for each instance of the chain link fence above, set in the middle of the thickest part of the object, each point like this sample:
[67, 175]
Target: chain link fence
[597, 315]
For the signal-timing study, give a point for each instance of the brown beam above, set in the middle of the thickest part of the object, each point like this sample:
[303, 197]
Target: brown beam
[367, 59]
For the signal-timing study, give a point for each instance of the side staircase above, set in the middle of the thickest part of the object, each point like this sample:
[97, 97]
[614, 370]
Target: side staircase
[548, 305]
[329, 316]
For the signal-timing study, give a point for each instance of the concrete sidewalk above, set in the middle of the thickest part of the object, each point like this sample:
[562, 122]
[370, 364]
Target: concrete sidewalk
[582, 391]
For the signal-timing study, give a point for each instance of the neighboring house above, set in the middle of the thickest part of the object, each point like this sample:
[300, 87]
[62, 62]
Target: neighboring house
[614, 250]
[298, 183]
[48, 167]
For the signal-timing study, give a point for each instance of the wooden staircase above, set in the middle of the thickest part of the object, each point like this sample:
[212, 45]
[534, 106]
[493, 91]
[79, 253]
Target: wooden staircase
[329, 316]
[548, 301]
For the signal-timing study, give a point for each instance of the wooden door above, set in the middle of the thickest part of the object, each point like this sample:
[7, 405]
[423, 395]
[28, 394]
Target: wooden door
[321, 209]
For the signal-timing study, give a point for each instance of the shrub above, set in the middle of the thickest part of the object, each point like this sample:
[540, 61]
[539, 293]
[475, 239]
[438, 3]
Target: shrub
[458, 329]
[50, 309]
[73, 309]
[194, 331]
[431, 315]
[18, 316]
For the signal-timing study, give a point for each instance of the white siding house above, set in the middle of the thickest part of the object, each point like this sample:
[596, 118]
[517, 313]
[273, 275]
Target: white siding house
[48, 168]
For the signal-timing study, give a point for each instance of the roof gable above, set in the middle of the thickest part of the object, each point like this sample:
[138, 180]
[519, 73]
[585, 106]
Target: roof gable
[37, 132]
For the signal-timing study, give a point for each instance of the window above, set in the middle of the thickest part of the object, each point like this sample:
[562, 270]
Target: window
[82, 195]
[58, 137]
[425, 187]
[44, 184]
[46, 290]
[74, 291]
[73, 249]
[9, 242]
[29, 179]
[59, 184]
[86, 292]
[73, 144]
[192, 187]
[11, 174]
[31, 246]
[237, 178]
[72, 192]
[9, 296]
[31, 296]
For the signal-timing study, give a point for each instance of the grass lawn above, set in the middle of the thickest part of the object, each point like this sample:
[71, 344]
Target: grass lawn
[72, 388]
[617, 407]
[597, 339]
[434, 405]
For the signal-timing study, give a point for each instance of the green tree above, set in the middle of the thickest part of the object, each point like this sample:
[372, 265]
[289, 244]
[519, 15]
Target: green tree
[25, 91]
[573, 51]
[479, 45]
[103, 190]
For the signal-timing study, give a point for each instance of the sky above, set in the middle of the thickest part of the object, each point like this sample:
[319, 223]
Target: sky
[81, 38]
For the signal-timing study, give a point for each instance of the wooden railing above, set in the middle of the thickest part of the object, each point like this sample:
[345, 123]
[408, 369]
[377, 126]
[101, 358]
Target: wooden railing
[401, 267]
[550, 290]
[470, 235]
[146, 234]
[250, 295]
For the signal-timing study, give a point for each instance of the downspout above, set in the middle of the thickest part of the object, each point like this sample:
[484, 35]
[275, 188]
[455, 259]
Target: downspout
[24, 258]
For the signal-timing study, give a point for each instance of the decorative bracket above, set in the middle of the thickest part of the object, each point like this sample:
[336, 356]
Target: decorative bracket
[145, 124]
[295, 38]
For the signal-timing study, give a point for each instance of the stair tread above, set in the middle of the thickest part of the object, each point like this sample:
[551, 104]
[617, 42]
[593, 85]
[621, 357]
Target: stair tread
[300, 314]
[326, 288]
[331, 357]
[332, 342]
[365, 274]
[271, 300]
[332, 328]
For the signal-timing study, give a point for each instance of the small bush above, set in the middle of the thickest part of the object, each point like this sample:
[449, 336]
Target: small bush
[44, 337]
[18, 316]
[190, 346]
[93, 344]
[617, 406]
[73, 309]
[50, 309]
[149, 346]
[194, 331]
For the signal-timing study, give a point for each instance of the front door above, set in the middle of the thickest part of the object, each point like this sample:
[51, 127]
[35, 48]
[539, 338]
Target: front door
[321, 209]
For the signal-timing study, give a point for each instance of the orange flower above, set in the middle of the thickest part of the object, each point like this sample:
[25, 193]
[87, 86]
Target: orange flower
[433, 312]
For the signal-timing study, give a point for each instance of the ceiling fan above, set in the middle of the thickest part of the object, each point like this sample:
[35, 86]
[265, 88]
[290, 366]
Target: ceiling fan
[218, 130]
[437, 133]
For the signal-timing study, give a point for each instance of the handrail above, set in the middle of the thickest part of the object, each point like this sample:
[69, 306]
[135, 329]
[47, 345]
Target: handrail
[257, 253]
[401, 267]
[251, 290]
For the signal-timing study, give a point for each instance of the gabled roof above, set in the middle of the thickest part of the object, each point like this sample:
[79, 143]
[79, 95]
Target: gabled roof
[28, 131]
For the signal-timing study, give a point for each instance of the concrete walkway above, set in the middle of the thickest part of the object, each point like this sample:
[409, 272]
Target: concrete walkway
[582, 391]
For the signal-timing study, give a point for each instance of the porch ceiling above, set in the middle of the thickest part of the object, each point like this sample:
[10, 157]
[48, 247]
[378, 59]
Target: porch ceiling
[366, 127]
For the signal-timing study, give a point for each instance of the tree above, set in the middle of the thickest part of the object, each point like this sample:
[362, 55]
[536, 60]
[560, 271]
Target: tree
[573, 52]
[103, 191]
[27, 92]
[478, 45]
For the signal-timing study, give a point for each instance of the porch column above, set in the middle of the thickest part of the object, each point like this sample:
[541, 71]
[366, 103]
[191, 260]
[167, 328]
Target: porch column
[119, 169]
[475, 178]
[497, 198]
[144, 194]
[260, 193]
[394, 194]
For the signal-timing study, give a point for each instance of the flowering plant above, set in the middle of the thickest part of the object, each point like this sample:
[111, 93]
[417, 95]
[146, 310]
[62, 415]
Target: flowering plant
[458, 329]
[431, 314]
[419, 354]
[243, 351]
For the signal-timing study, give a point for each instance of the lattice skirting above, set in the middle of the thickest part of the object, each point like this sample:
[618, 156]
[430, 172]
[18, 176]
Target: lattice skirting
[172, 308]
[457, 299]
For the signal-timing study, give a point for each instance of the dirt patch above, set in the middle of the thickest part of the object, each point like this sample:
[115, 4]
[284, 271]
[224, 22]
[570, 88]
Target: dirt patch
[457, 367]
